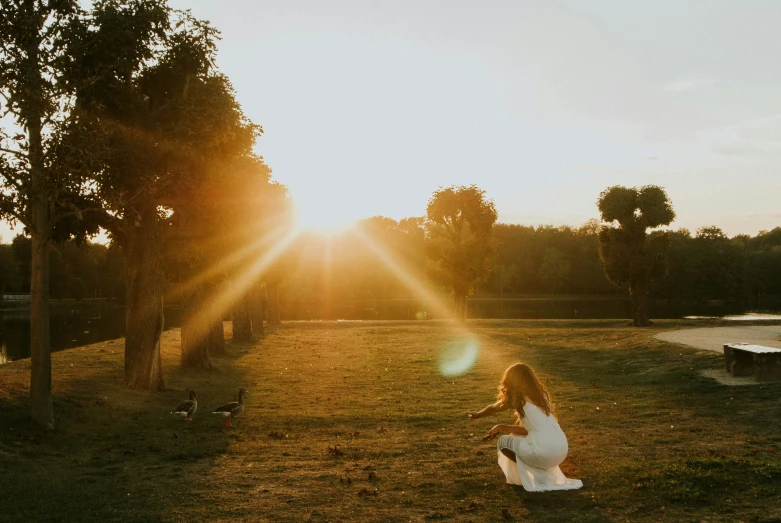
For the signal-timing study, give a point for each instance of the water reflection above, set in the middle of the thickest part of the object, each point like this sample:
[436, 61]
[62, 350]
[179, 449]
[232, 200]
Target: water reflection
[754, 316]
[70, 325]
[530, 307]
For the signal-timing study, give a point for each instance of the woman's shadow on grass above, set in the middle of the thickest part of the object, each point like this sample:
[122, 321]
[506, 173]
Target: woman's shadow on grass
[564, 505]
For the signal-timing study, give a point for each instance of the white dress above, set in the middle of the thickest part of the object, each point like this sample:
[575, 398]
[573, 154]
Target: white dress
[538, 454]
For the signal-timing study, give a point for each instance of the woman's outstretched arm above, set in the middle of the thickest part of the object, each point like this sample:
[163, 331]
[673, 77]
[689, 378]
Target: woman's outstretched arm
[490, 409]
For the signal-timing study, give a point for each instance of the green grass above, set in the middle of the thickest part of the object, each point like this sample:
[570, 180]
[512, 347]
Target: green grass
[353, 422]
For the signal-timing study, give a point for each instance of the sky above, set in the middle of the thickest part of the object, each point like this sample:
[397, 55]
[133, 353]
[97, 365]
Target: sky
[369, 106]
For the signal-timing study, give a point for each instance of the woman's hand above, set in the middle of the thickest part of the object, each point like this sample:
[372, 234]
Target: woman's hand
[489, 410]
[494, 432]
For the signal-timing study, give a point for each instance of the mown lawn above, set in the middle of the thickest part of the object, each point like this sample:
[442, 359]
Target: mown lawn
[353, 422]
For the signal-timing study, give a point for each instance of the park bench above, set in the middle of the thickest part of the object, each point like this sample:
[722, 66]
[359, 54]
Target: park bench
[744, 359]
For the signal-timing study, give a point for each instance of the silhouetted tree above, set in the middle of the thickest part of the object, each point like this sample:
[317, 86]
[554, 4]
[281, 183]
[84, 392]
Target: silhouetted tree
[164, 113]
[257, 307]
[275, 275]
[629, 254]
[461, 242]
[263, 229]
[38, 169]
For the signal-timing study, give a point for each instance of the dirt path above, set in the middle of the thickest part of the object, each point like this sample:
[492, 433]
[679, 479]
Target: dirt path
[714, 338]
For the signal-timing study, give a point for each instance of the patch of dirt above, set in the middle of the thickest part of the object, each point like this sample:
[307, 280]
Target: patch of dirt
[714, 338]
[723, 377]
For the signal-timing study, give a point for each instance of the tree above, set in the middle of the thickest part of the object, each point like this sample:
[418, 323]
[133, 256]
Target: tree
[218, 227]
[274, 277]
[165, 114]
[9, 270]
[187, 253]
[260, 219]
[461, 240]
[40, 186]
[503, 276]
[629, 255]
[257, 306]
[554, 268]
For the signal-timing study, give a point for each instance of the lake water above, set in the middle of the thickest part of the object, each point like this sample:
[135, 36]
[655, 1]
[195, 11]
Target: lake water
[618, 307]
[80, 324]
[71, 325]
[532, 307]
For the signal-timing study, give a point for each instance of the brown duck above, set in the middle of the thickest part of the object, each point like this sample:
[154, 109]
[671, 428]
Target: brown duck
[232, 410]
[187, 408]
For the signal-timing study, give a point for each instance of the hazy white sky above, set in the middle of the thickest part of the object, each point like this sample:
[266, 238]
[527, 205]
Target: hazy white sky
[369, 106]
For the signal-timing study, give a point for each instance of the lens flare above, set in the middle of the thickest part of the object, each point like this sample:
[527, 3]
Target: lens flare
[458, 357]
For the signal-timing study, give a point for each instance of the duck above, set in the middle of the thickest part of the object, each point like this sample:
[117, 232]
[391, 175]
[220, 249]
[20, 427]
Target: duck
[187, 408]
[232, 410]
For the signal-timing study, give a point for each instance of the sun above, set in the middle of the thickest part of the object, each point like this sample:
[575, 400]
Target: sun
[324, 221]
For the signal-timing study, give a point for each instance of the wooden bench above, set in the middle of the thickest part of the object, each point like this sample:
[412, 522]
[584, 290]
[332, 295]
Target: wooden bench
[743, 359]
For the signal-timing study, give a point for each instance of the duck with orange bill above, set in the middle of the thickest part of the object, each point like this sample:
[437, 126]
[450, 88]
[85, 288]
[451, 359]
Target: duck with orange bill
[232, 410]
[187, 408]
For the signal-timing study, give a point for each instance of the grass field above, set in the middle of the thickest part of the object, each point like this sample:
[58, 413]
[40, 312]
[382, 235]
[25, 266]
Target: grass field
[353, 422]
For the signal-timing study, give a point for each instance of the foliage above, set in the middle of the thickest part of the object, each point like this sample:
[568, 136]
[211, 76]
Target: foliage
[554, 268]
[460, 227]
[79, 270]
[629, 255]
[41, 177]
[9, 270]
[36, 84]
[625, 251]
[170, 135]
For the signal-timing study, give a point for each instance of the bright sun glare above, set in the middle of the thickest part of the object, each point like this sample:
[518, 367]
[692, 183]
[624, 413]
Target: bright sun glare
[326, 221]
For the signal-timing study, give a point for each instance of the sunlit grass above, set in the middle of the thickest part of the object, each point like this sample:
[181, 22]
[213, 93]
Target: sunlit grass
[355, 422]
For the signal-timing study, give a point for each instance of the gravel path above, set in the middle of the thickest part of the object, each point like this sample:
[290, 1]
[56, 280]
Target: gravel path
[714, 338]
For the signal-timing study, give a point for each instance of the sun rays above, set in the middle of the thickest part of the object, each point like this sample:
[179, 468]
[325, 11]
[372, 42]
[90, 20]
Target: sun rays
[249, 263]
[405, 275]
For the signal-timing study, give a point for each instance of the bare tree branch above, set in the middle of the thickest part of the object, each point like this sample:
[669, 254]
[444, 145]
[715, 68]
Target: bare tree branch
[79, 213]
[16, 183]
[8, 209]
[18, 154]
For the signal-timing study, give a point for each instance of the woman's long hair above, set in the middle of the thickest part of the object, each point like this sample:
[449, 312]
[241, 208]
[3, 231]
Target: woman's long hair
[519, 383]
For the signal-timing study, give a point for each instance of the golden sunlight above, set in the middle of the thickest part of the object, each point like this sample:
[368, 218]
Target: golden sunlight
[325, 220]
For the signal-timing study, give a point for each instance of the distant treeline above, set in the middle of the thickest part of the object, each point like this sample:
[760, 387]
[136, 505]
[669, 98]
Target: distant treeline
[384, 260]
[78, 271]
[706, 265]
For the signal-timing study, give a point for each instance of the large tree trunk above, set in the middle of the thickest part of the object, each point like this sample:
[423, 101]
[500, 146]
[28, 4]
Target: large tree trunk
[639, 293]
[273, 304]
[41, 408]
[242, 323]
[257, 309]
[195, 331]
[202, 329]
[216, 337]
[144, 302]
[460, 307]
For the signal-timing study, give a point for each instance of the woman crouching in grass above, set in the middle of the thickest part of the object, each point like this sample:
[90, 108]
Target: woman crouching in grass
[533, 449]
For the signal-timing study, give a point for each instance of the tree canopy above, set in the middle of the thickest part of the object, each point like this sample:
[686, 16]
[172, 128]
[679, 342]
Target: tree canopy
[460, 227]
[628, 254]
